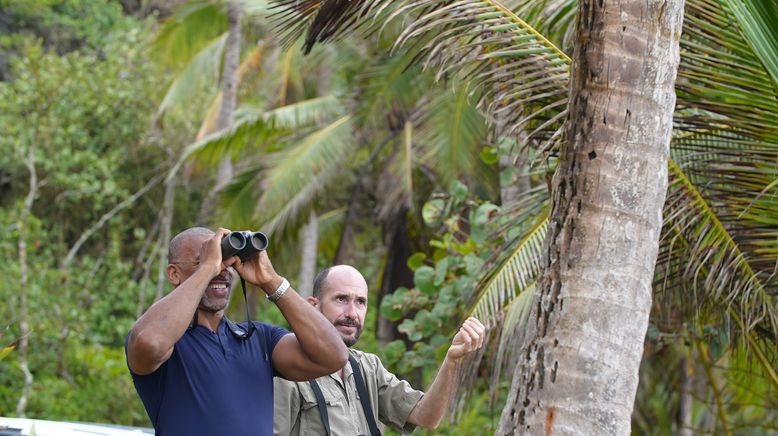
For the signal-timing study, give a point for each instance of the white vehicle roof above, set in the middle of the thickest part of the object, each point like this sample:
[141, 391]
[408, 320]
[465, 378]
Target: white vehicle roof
[22, 426]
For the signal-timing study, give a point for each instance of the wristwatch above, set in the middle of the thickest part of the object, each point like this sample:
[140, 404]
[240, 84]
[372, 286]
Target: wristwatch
[279, 291]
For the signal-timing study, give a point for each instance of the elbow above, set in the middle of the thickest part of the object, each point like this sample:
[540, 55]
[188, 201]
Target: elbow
[146, 346]
[339, 359]
[431, 424]
[425, 416]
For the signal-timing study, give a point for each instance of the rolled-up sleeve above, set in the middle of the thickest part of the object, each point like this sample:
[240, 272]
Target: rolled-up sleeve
[396, 398]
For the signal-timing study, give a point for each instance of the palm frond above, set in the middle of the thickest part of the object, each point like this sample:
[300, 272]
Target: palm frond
[302, 173]
[757, 19]
[388, 90]
[200, 74]
[253, 127]
[706, 253]
[511, 276]
[721, 78]
[521, 75]
[453, 132]
[295, 116]
[554, 19]
[320, 19]
[193, 26]
[512, 332]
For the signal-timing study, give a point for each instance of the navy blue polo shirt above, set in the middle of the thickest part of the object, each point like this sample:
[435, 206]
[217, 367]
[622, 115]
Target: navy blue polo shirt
[213, 384]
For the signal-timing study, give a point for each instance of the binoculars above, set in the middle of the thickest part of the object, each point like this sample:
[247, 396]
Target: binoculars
[243, 244]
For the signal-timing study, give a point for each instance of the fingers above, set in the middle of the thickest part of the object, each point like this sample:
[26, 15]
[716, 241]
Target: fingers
[473, 333]
[232, 261]
[215, 242]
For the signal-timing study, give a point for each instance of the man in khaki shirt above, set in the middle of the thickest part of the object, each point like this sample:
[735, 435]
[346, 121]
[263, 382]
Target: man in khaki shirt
[340, 294]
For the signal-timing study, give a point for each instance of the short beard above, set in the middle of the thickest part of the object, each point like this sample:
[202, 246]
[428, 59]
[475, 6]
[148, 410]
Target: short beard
[350, 341]
[209, 306]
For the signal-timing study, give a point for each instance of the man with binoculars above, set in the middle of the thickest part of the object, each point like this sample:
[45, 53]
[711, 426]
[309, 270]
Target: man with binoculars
[199, 373]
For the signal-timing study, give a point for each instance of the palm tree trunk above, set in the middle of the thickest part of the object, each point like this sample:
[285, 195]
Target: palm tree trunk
[24, 285]
[228, 103]
[685, 425]
[229, 83]
[310, 241]
[579, 371]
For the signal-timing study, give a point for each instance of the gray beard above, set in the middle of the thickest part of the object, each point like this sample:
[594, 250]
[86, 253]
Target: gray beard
[207, 305]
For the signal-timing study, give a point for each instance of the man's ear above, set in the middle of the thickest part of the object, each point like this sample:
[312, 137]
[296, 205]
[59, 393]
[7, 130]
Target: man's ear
[314, 301]
[173, 275]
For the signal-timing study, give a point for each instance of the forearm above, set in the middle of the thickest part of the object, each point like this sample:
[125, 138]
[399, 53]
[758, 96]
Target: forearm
[432, 407]
[317, 337]
[163, 324]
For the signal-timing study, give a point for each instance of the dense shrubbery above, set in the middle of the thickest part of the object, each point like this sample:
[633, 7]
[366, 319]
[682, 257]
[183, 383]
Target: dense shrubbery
[85, 115]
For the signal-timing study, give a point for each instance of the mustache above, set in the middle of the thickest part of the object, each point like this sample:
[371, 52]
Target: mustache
[348, 321]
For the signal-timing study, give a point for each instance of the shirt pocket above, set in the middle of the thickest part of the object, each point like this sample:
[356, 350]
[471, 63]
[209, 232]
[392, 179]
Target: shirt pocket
[310, 418]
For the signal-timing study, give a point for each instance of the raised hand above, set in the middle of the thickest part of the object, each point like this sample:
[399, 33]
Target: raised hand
[211, 254]
[469, 338]
[259, 271]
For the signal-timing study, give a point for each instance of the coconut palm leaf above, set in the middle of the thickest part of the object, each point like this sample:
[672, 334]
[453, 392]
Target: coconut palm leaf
[710, 257]
[514, 273]
[192, 27]
[298, 175]
[757, 20]
[254, 127]
[320, 19]
[200, 74]
[722, 199]
[388, 90]
[452, 135]
[521, 75]
[721, 74]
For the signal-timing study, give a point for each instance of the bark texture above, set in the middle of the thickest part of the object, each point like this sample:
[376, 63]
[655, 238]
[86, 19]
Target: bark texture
[227, 107]
[310, 242]
[229, 84]
[578, 371]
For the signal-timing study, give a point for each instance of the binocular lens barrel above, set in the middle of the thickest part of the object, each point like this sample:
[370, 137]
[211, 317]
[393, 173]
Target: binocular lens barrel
[243, 244]
[258, 240]
[232, 244]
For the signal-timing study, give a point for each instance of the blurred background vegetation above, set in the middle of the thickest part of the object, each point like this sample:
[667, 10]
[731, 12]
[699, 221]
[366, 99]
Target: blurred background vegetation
[124, 122]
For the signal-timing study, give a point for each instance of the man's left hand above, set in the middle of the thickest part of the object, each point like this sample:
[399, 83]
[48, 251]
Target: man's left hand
[469, 338]
[259, 271]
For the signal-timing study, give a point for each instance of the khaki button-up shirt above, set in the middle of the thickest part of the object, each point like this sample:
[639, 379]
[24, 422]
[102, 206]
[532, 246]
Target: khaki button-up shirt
[392, 400]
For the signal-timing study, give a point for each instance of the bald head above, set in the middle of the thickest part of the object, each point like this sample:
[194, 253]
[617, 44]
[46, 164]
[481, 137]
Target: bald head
[181, 242]
[338, 273]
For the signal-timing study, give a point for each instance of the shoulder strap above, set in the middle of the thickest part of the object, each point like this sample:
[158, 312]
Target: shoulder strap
[322, 405]
[364, 398]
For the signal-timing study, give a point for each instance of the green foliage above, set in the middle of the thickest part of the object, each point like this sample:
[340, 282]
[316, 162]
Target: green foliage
[62, 25]
[80, 120]
[444, 283]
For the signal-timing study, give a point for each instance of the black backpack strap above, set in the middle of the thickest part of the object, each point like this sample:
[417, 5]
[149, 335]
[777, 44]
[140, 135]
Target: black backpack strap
[364, 398]
[322, 405]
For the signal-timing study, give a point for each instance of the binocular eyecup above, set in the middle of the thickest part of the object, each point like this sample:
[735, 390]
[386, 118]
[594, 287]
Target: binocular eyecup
[243, 244]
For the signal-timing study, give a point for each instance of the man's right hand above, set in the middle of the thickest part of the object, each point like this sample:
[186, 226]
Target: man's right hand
[211, 253]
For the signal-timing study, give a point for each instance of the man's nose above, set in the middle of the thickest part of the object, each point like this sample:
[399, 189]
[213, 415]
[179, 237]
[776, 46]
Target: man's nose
[351, 310]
